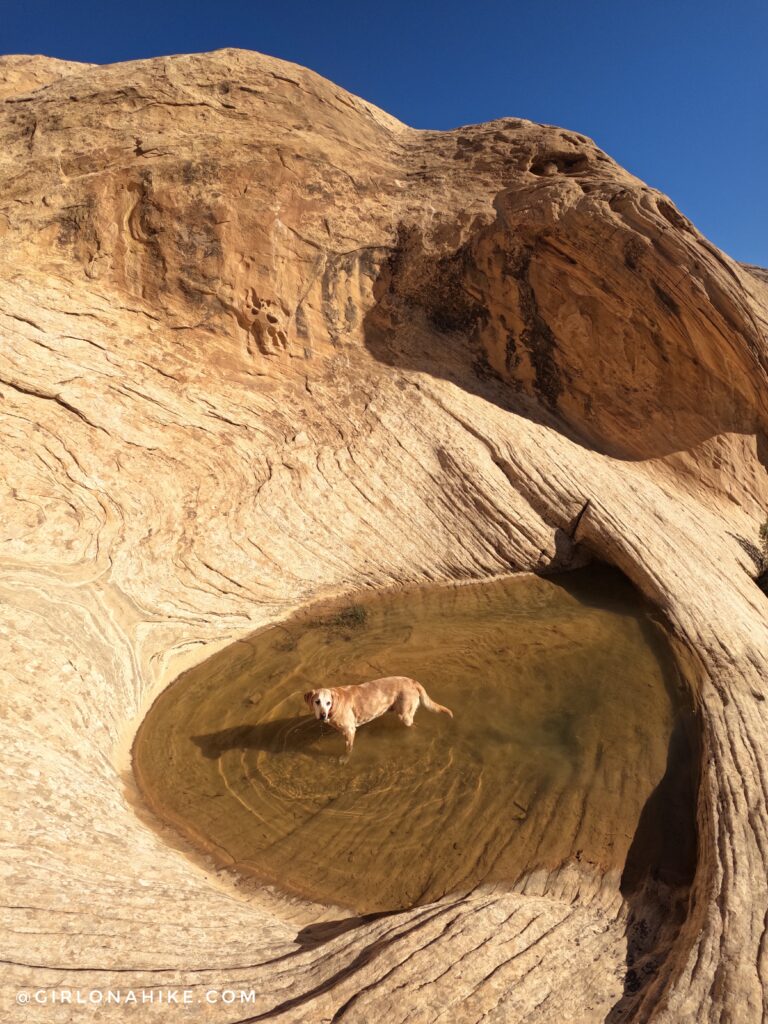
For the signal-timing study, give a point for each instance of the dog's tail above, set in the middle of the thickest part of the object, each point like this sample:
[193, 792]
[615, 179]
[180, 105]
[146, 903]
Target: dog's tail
[429, 704]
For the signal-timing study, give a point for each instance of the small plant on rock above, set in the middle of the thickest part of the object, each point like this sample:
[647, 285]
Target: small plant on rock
[763, 534]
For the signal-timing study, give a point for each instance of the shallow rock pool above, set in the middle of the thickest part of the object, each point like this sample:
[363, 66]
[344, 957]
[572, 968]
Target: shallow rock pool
[564, 696]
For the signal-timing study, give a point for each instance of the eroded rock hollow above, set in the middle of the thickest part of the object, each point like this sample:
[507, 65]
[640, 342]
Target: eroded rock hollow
[261, 343]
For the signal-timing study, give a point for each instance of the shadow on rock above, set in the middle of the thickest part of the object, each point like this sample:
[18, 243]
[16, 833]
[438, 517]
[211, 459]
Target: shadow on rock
[324, 931]
[659, 870]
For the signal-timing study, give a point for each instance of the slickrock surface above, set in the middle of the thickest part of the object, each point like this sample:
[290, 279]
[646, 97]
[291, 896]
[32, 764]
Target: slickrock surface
[262, 343]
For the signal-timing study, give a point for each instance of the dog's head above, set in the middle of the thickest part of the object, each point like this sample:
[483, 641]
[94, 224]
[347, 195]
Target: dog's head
[320, 703]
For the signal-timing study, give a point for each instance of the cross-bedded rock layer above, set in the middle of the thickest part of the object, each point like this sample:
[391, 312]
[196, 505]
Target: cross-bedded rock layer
[262, 343]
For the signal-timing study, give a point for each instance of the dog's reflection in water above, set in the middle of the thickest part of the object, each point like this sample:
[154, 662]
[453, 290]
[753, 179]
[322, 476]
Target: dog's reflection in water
[283, 735]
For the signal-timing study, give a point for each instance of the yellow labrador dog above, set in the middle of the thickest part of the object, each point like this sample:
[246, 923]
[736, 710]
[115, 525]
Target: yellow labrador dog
[347, 707]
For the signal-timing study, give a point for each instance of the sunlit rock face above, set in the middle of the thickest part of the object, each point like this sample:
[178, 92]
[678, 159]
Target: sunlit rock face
[262, 343]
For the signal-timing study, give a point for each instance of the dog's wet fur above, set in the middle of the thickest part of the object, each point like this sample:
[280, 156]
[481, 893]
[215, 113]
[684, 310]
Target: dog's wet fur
[346, 708]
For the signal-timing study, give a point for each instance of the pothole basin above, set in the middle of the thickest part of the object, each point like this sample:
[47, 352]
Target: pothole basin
[565, 698]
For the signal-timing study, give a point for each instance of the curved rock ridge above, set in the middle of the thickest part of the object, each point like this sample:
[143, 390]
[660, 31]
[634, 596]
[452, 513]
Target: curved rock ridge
[261, 344]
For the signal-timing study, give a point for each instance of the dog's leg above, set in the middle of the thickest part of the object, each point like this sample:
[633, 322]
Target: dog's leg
[349, 737]
[409, 710]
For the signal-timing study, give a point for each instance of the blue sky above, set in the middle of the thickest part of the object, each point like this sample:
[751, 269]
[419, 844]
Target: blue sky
[675, 90]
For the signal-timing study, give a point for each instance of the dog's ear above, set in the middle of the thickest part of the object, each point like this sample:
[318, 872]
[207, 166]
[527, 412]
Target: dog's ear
[309, 696]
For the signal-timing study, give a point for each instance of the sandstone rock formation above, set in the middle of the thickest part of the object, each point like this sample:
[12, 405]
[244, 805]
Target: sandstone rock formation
[260, 342]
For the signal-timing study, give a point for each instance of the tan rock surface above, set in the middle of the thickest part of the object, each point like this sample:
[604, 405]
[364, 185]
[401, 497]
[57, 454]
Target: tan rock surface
[259, 343]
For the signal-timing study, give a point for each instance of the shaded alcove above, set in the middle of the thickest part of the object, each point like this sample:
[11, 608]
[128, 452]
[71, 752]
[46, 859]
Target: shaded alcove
[484, 318]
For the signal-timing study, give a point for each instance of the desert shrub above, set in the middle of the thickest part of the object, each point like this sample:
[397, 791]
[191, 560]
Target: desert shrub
[763, 534]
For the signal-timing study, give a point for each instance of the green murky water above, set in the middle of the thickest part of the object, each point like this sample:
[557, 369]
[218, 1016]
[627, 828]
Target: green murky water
[562, 695]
